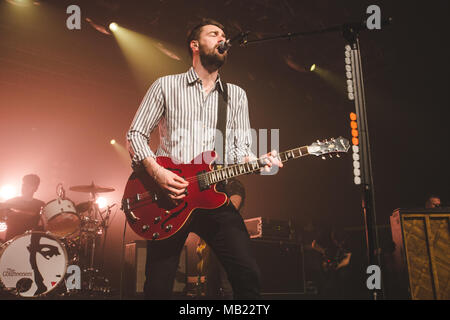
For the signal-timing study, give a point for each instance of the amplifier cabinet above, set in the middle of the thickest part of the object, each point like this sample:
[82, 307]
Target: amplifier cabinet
[134, 269]
[269, 229]
[422, 251]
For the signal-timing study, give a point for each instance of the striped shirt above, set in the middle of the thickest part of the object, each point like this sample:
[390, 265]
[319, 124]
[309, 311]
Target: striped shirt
[187, 119]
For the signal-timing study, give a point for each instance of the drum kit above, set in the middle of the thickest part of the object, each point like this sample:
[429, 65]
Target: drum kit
[34, 264]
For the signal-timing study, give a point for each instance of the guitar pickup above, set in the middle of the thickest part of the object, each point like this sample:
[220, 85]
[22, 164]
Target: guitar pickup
[202, 183]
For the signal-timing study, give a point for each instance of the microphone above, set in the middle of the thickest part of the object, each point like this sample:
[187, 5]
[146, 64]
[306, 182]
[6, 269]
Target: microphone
[224, 46]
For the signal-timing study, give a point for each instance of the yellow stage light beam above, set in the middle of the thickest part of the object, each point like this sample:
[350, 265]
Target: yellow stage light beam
[336, 82]
[122, 152]
[20, 3]
[148, 58]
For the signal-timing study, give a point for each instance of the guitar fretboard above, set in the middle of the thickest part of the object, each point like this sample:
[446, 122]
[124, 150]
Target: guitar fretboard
[235, 170]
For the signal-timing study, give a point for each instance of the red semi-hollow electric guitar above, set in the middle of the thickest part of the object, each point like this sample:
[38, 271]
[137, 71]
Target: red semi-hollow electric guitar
[154, 216]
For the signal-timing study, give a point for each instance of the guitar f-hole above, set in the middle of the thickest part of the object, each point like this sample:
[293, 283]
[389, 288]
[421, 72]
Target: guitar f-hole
[174, 215]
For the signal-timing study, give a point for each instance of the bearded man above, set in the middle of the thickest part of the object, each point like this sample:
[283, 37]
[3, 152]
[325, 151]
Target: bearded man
[186, 108]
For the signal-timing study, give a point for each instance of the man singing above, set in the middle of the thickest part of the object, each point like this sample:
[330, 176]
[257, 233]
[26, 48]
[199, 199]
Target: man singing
[186, 108]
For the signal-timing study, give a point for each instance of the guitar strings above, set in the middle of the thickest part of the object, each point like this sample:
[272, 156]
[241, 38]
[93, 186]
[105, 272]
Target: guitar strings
[193, 179]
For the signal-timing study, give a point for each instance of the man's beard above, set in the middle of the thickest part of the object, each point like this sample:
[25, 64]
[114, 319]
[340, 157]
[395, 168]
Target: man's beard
[211, 60]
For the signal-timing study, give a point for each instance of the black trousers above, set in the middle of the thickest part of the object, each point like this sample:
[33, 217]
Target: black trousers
[223, 229]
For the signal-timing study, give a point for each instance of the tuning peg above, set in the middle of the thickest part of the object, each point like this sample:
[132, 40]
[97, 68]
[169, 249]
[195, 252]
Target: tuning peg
[323, 157]
[338, 155]
[331, 156]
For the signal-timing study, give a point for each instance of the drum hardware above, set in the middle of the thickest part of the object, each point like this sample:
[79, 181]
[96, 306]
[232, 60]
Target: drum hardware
[94, 225]
[71, 237]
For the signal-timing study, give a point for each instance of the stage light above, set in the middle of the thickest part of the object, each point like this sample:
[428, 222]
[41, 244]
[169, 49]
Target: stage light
[348, 73]
[313, 67]
[113, 26]
[101, 202]
[355, 148]
[113, 141]
[3, 226]
[7, 192]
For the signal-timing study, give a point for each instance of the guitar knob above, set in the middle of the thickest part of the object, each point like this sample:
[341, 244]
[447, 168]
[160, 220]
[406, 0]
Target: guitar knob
[155, 235]
[166, 212]
[145, 228]
[157, 219]
[168, 227]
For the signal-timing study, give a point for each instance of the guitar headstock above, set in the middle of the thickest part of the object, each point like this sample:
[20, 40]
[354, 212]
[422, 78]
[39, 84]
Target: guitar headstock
[330, 147]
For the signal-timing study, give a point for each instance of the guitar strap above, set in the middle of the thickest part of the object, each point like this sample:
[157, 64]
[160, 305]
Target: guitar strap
[222, 111]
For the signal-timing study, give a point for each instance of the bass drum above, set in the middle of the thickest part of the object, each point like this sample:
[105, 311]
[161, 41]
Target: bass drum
[32, 264]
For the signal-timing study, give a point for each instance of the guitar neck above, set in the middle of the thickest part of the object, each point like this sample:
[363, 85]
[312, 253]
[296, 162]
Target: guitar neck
[236, 170]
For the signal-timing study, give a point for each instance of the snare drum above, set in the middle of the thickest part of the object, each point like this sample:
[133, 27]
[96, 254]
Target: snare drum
[61, 218]
[33, 264]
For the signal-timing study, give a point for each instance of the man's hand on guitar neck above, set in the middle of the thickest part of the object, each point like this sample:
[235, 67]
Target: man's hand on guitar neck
[173, 184]
[271, 159]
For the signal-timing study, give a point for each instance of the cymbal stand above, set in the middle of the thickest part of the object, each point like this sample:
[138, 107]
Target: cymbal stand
[91, 235]
[94, 214]
[105, 225]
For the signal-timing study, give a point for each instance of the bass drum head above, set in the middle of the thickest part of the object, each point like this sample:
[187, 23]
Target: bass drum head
[32, 264]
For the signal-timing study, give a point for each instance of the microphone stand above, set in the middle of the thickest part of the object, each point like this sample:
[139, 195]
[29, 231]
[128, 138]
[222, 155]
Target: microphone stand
[350, 32]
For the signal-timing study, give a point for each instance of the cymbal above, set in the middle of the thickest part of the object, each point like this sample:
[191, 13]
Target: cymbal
[92, 188]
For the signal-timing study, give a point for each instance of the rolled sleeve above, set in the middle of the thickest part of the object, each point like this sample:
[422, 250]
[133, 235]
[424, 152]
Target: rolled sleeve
[147, 117]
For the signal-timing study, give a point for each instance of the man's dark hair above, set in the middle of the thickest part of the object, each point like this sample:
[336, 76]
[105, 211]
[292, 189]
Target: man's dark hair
[194, 33]
[32, 179]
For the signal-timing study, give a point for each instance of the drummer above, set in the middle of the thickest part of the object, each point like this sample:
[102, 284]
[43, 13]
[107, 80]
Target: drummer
[24, 211]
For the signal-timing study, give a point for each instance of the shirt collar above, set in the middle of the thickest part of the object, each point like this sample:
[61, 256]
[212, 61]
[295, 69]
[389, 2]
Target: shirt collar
[192, 77]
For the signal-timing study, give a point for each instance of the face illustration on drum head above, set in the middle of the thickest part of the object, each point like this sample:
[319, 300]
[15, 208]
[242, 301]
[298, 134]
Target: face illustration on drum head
[33, 264]
[43, 254]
